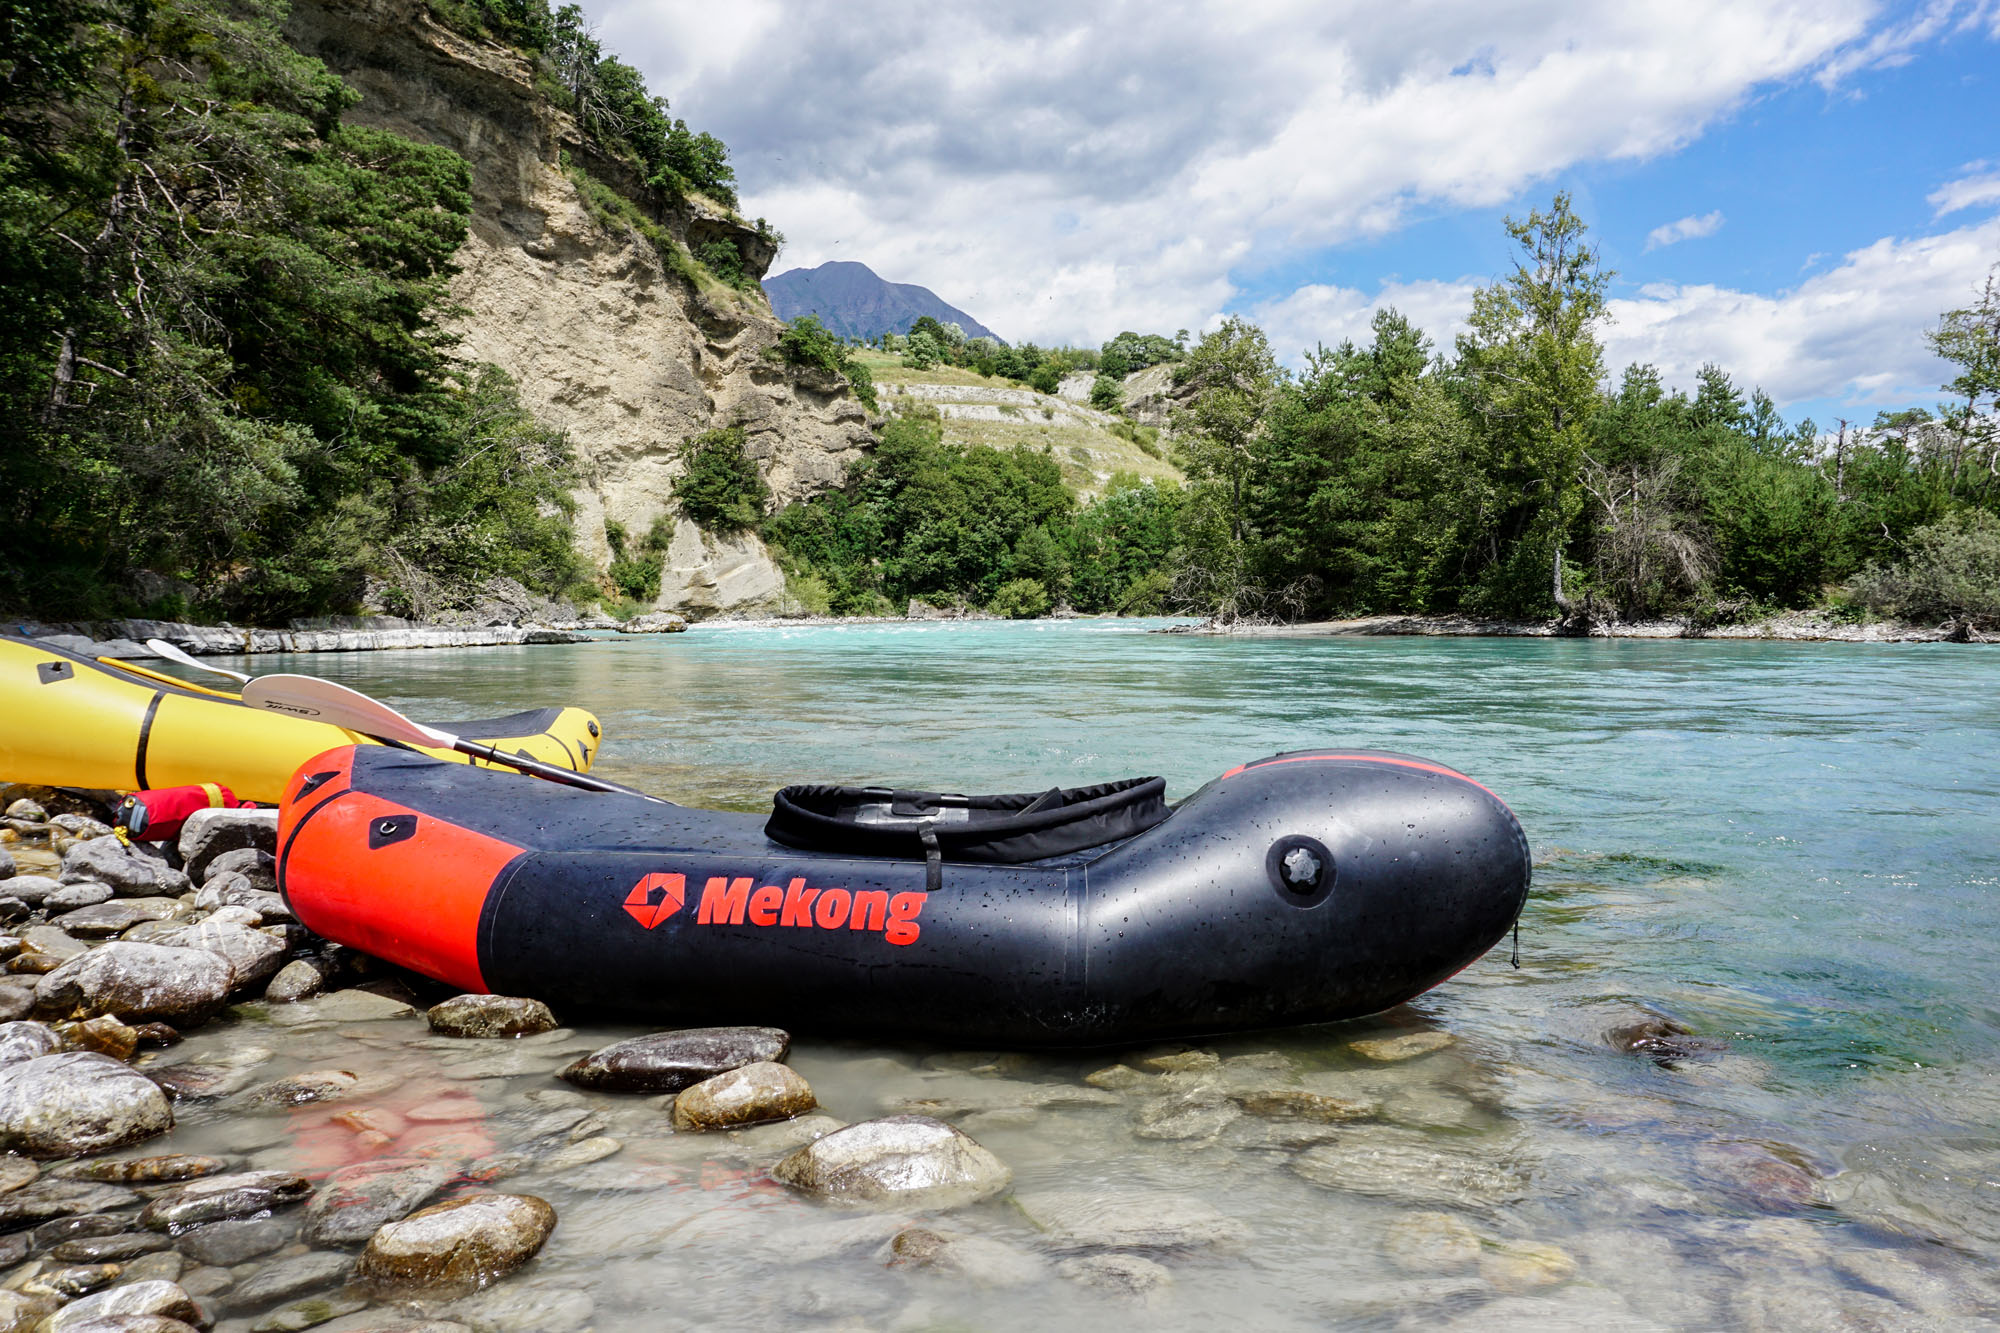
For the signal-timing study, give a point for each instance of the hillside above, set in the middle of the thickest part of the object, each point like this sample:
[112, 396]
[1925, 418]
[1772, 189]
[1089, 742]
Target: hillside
[1090, 446]
[855, 303]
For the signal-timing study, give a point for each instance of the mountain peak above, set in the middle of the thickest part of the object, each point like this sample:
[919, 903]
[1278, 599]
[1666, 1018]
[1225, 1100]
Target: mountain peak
[854, 302]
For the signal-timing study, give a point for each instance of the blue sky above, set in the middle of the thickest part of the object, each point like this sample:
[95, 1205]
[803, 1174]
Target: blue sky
[1064, 174]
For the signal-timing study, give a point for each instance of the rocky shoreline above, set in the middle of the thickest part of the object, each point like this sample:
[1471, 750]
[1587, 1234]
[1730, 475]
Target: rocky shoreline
[1792, 626]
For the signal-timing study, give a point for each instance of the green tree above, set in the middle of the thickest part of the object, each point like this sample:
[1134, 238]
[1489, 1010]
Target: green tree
[1531, 363]
[720, 487]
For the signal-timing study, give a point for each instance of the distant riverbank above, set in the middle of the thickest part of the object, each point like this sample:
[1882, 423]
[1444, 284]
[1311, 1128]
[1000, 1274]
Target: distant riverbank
[1798, 626]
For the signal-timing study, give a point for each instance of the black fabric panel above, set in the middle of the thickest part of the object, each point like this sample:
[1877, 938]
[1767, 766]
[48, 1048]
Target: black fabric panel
[531, 723]
[146, 739]
[1002, 830]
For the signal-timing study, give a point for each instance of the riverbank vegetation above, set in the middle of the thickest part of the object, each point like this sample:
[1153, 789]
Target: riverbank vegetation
[1506, 477]
[225, 384]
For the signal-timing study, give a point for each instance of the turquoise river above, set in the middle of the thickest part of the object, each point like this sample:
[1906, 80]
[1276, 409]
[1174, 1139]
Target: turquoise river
[1793, 850]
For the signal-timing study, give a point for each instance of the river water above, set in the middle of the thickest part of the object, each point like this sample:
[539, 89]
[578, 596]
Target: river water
[1793, 850]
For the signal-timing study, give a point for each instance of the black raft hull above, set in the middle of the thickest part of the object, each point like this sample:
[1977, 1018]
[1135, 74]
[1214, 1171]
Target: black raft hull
[1302, 888]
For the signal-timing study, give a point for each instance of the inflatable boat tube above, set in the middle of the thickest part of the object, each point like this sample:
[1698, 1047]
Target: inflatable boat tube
[1301, 888]
[74, 721]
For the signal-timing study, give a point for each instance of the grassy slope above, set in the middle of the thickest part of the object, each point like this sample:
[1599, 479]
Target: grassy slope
[1088, 453]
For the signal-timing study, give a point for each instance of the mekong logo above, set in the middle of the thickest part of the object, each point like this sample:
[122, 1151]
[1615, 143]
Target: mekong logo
[734, 902]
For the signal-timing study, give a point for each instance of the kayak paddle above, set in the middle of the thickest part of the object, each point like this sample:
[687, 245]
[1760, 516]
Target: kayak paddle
[161, 648]
[323, 701]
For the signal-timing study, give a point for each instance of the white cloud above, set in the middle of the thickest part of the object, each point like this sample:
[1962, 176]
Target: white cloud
[1065, 173]
[1968, 191]
[1853, 331]
[1689, 228]
[1322, 314]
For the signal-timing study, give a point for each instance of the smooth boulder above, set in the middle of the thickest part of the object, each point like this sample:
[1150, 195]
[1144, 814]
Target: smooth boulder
[77, 1104]
[257, 866]
[751, 1095]
[490, 1016]
[671, 1061]
[251, 954]
[209, 834]
[459, 1246]
[24, 1040]
[139, 983]
[909, 1161]
[161, 1298]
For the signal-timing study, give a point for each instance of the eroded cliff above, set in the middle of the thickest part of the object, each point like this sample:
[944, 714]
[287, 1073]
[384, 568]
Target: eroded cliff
[605, 341]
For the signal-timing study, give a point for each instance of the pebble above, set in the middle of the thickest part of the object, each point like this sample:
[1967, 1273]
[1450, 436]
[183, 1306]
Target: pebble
[903, 1161]
[76, 1104]
[72, 1280]
[80, 826]
[16, 1171]
[257, 867]
[978, 1259]
[458, 1246]
[1182, 1062]
[314, 1085]
[1520, 1266]
[1391, 1050]
[85, 895]
[300, 979]
[308, 1313]
[1117, 1078]
[209, 834]
[84, 1224]
[115, 917]
[33, 888]
[103, 1034]
[490, 1016]
[109, 1249]
[750, 1095]
[355, 1201]
[21, 1313]
[29, 810]
[139, 983]
[199, 1082]
[52, 941]
[671, 1061]
[1297, 1104]
[253, 956]
[225, 1198]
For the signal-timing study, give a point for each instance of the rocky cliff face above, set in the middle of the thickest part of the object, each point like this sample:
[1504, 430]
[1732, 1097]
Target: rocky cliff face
[604, 341]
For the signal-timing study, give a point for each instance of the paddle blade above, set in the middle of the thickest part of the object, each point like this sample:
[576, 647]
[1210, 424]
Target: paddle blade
[166, 651]
[323, 701]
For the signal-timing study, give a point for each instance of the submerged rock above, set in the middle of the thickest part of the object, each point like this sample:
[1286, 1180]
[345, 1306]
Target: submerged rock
[227, 1244]
[906, 1161]
[48, 1200]
[300, 979]
[750, 1095]
[1519, 1266]
[459, 1246]
[1081, 1220]
[357, 1200]
[490, 1016]
[978, 1259]
[172, 1168]
[290, 1278]
[1298, 1104]
[1127, 1275]
[114, 1249]
[138, 983]
[1430, 1242]
[77, 1104]
[1392, 1050]
[1662, 1041]
[1202, 1114]
[225, 1199]
[1404, 1165]
[671, 1061]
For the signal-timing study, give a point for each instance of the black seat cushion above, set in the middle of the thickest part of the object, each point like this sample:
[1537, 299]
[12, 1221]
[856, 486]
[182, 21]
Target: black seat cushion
[1008, 829]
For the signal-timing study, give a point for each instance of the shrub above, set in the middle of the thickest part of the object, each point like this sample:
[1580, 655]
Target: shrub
[1020, 599]
[725, 261]
[1950, 570]
[807, 342]
[1106, 393]
[720, 488]
[924, 352]
[1047, 378]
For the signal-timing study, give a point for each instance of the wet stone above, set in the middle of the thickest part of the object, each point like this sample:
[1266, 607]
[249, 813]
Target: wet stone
[139, 983]
[77, 1104]
[27, 1040]
[490, 1016]
[300, 979]
[103, 1034]
[16, 1171]
[211, 834]
[32, 889]
[978, 1259]
[83, 1226]
[905, 1161]
[1181, 1062]
[21, 1313]
[1081, 1220]
[1195, 1115]
[110, 1249]
[253, 956]
[315, 1085]
[308, 1313]
[1297, 1104]
[202, 1283]
[671, 1061]
[72, 1280]
[343, 1006]
[289, 1278]
[161, 1266]
[1393, 1050]
[750, 1095]
[197, 1082]
[458, 1246]
[1663, 1041]
[1117, 1078]
[80, 826]
[137, 1298]
[355, 1201]
[227, 1244]
[27, 809]
[225, 1198]
[115, 917]
[17, 997]
[52, 941]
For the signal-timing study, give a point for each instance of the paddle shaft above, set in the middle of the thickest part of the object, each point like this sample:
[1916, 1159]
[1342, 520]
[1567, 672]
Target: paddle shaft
[552, 772]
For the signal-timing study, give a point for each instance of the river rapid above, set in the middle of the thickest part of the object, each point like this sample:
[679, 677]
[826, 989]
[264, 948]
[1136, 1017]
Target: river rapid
[1788, 849]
